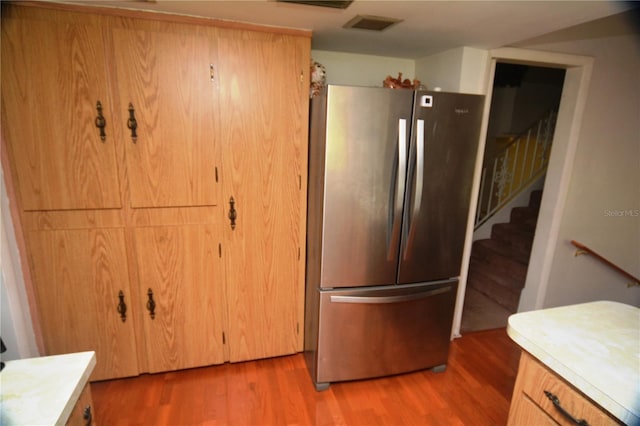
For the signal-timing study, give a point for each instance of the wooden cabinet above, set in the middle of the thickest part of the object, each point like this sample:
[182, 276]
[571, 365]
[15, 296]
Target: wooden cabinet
[166, 80]
[79, 275]
[181, 277]
[535, 391]
[53, 76]
[138, 210]
[83, 411]
[265, 135]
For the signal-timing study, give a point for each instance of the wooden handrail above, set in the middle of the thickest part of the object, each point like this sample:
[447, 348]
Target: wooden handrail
[547, 114]
[582, 249]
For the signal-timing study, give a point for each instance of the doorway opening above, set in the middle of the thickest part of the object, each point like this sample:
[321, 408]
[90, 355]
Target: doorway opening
[525, 101]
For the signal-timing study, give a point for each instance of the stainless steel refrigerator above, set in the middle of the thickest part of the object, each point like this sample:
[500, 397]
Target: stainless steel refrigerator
[390, 174]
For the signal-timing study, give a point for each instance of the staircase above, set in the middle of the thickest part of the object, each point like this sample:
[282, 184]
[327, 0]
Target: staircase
[498, 265]
[512, 164]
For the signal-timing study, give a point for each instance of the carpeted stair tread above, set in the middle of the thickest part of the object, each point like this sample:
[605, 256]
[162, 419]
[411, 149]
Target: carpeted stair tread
[527, 217]
[514, 238]
[490, 261]
[495, 251]
[498, 266]
[504, 296]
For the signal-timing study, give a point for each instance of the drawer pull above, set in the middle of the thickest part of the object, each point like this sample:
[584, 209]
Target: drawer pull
[87, 416]
[389, 299]
[556, 403]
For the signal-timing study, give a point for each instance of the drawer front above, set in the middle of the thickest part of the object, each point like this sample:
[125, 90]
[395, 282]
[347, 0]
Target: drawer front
[541, 385]
[373, 333]
[83, 411]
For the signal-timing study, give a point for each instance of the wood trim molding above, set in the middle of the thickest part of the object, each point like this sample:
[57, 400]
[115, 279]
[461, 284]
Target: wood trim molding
[569, 123]
[162, 16]
[20, 242]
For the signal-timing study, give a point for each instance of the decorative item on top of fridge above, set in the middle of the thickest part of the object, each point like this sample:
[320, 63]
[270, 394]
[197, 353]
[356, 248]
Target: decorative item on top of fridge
[318, 78]
[399, 83]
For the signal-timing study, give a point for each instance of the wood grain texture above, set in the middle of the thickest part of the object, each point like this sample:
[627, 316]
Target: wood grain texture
[474, 390]
[265, 157]
[530, 405]
[73, 219]
[165, 75]
[53, 73]
[76, 418]
[77, 275]
[164, 17]
[166, 199]
[181, 265]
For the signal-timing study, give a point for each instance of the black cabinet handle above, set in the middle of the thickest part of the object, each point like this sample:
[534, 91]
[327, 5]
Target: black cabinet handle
[233, 215]
[151, 305]
[132, 124]
[87, 416]
[556, 403]
[122, 307]
[100, 122]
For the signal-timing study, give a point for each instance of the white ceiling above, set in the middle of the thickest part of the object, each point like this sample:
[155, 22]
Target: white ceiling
[428, 26]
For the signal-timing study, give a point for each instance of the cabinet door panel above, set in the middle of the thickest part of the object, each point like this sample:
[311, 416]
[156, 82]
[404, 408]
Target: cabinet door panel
[53, 74]
[167, 79]
[265, 155]
[78, 275]
[182, 267]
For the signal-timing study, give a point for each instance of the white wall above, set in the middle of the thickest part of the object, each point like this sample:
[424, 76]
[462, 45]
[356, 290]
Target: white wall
[457, 70]
[602, 208]
[362, 70]
[15, 320]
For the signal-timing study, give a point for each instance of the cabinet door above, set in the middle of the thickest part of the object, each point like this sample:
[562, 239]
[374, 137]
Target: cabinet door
[265, 94]
[167, 80]
[179, 269]
[78, 276]
[53, 75]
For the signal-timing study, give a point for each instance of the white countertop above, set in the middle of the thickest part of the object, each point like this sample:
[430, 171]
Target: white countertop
[594, 346]
[44, 390]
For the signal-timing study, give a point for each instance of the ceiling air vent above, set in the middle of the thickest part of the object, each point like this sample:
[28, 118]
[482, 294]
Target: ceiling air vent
[335, 4]
[371, 23]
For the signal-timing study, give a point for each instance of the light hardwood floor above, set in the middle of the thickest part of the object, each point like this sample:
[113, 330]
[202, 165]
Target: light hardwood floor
[475, 389]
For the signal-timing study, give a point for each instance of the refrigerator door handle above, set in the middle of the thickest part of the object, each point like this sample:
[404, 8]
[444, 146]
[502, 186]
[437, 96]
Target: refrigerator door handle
[389, 299]
[401, 174]
[417, 193]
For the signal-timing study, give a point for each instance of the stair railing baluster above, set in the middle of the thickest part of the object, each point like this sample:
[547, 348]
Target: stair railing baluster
[493, 181]
[504, 177]
[514, 169]
[481, 196]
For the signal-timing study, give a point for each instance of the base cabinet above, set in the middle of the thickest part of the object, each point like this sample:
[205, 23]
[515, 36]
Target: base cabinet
[181, 284]
[540, 397]
[83, 411]
[81, 283]
[127, 136]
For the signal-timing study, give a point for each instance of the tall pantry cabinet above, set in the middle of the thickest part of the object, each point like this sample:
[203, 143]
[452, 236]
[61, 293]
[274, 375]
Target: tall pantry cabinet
[159, 174]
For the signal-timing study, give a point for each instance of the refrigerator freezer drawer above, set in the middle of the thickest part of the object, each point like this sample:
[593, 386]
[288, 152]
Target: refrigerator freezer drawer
[368, 333]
